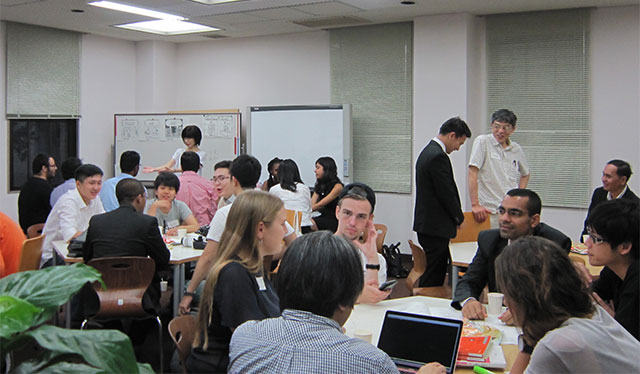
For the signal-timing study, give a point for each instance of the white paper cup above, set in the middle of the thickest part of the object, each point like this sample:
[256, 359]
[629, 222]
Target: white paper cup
[584, 238]
[182, 233]
[363, 335]
[163, 286]
[495, 303]
[161, 230]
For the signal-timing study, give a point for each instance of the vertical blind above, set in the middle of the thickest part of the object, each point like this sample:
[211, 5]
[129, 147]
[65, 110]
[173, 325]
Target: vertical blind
[43, 71]
[538, 66]
[372, 69]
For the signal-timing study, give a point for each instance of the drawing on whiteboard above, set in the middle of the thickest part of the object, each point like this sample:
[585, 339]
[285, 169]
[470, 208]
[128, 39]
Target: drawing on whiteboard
[153, 130]
[224, 130]
[173, 127]
[128, 130]
[220, 126]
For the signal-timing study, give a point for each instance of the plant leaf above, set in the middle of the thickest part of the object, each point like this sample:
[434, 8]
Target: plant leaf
[17, 315]
[145, 368]
[49, 288]
[108, 350]
[60, 367]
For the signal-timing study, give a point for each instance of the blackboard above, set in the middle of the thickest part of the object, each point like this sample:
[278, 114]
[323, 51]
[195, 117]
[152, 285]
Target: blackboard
[303, 134]
[157, 136]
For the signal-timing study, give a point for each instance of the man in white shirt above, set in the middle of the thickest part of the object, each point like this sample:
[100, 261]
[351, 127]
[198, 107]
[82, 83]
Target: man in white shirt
[355, 221]
[496, 166]
[245, 173]
[71, 213]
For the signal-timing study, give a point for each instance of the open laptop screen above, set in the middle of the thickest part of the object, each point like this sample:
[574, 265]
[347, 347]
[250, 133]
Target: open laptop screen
[413, 340]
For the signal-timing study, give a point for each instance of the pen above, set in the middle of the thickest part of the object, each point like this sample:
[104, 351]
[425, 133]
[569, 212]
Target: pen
[481, 370]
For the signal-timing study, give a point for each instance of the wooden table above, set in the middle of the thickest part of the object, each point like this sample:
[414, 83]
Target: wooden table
[370, 317]
[180, 255]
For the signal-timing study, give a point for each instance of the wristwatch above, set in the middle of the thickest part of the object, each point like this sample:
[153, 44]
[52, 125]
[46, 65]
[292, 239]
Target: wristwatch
[373, 267]
[523, 346]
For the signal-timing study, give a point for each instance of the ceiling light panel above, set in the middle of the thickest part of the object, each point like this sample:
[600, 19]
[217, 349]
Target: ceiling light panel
[167, 27]
[136, 10]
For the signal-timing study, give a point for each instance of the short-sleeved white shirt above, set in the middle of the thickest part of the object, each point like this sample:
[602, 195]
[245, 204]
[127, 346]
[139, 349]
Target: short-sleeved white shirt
[382, 273]
[586, 345]
[299, 200]
[220, 220]
[499, 171]
[69, 215]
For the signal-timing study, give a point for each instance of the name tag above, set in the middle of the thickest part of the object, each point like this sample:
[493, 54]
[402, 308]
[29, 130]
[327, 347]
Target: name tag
[261, 285]
[173, 223]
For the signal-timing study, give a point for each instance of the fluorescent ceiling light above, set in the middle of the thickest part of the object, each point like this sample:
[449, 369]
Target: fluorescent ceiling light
[136, 10]
[167, 27]
[212, 2]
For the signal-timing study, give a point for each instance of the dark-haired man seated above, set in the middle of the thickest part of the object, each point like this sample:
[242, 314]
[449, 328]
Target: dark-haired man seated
[519, 215]
[319, 280]
[613, 242]
[125, 231]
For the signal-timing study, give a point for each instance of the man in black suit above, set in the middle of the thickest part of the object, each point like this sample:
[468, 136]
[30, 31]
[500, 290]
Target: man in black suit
[125, 231]
[438, 211]
[519, 216]
[615, 177]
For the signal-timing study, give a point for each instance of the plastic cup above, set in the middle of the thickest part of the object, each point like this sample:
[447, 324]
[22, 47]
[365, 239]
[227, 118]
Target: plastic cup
[495, 303]
[163, 285]
[363, 335]
[182, 233]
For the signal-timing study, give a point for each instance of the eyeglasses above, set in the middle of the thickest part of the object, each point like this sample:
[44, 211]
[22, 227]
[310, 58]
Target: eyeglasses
[220, 178]
[516, 213]
[595, 239]
[495, 126]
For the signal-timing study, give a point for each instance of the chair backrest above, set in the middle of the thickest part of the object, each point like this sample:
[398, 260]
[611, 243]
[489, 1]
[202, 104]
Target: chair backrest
[469, 230]
[183, 330]
[35, 230]
[31, 254]
[381, 229]
[294, 217]
[127, 279]
[419, 265]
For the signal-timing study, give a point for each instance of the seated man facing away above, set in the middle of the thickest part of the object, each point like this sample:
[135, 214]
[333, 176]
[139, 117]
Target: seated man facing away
[319, 280]
[196, 191]
[613, 242]
[355, 219]
[127, 232]
[68, 169]
[129, 167]
[70, 216]
[172, 214]
[519, 216]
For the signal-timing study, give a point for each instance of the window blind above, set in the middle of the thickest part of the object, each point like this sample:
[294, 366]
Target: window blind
[372, 69]
[43, 71]
[538, 66]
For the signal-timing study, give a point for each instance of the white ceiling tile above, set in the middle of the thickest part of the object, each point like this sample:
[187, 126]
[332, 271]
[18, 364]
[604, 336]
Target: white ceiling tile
[231, 19]
[333, 8]
[288, 14]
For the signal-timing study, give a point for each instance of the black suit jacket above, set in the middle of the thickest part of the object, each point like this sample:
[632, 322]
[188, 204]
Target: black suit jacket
[438, 210]
[600, 195]
[126, 232]
[481, 271]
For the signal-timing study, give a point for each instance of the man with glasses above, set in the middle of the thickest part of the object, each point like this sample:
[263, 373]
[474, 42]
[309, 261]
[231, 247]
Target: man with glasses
[497, 165]
[355, 223]
[221, 179]
[519, 215]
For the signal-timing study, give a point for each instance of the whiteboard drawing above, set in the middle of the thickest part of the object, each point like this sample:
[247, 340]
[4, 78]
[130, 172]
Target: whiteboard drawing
[173, 127]
[224, 130]
[128, 130]
[153, 130]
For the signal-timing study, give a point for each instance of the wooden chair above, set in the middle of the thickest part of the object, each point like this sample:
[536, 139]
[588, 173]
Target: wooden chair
[294, 217]
[31, 253]
[381, 229]
[469, 230]
[127, 279]
[183, 330]
[419, 267]
[35, 230]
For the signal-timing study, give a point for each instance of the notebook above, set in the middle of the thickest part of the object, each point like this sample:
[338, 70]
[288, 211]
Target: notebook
[412, 340]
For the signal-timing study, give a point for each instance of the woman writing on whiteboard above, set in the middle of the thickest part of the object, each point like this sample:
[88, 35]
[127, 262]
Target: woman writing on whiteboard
[325, 194]
[191, 136]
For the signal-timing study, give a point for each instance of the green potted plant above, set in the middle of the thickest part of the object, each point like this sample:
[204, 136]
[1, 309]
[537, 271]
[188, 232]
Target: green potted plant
[29, 299]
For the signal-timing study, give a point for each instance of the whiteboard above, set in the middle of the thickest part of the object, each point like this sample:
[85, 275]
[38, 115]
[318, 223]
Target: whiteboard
[303, 134]
[157, 136]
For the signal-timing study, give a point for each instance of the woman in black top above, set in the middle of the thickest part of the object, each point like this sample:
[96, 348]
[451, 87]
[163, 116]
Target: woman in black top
[236, 289]
[325, 194]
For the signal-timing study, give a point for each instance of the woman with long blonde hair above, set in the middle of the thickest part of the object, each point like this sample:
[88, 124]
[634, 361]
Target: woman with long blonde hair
[236, 289]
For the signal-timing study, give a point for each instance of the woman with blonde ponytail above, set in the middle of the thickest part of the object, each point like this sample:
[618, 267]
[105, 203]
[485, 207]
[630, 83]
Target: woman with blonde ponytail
[236, 289]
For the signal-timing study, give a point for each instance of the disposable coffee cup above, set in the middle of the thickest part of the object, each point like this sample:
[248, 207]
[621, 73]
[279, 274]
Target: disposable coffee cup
[363, 335]
[495, 303]
[182, 233]
[584, 238]
[163, 286]
[161, 230]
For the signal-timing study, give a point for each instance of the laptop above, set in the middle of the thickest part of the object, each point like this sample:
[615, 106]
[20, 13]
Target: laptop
[413, 340]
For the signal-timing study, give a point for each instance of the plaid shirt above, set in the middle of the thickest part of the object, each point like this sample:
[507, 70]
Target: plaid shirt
[302, 342]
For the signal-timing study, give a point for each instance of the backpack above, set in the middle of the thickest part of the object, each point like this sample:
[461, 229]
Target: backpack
[391, 254]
